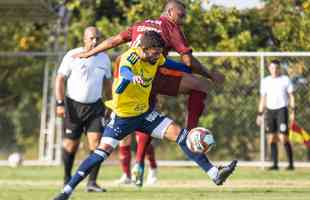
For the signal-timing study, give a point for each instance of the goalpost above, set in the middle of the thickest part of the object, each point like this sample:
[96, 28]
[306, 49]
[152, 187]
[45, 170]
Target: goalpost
[262, 56]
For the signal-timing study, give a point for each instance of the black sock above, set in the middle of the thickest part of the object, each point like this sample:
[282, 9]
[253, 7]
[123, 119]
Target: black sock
[274, 153]
[68, 160]
[93, 173]
[289, 153]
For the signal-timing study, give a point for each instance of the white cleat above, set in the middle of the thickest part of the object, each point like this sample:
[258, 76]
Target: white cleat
[124, 180]
[152, 177]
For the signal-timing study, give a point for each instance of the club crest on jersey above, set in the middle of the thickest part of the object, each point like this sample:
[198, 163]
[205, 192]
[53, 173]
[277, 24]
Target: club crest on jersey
[133, 58]
[147, 81]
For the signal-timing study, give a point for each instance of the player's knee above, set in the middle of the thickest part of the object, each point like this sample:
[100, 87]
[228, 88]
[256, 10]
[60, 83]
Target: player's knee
[93, 142]
[93, 145]
[273, 138]
[191, 82]
[125, 142]
[70, 146]
[284, 138]
[108, 144]
[173, 131]
[201, 85]
[198, 94]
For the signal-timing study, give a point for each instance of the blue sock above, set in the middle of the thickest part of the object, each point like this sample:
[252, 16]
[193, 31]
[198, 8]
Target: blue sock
[199, 158]
[91, 161]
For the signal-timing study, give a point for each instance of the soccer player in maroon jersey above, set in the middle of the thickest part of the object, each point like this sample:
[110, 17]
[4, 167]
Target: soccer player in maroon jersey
[168, 82]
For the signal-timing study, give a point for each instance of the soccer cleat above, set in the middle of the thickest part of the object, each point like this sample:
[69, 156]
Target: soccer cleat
[93, 187]
[137, 175]
[273, 168]
[151, 177]
[290, 167]
[124, 180]
[62, 196]
[225, 172]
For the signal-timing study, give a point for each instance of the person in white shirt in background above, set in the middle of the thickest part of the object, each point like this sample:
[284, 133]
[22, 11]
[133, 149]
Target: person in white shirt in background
[276, 101]
[81, 104]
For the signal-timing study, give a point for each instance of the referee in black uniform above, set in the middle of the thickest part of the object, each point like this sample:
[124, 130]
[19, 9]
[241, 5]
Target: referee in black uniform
[276, 101]
[81, 105]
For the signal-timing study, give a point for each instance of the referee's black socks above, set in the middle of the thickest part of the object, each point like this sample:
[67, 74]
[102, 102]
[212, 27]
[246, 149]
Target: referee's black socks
[289, 153]
[274, 153]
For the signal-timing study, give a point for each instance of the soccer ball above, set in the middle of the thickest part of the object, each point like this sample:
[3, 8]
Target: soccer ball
[200, 140]
[15, 159]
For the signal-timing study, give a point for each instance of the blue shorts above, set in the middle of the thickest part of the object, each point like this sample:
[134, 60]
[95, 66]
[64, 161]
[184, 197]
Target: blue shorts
[150, 122]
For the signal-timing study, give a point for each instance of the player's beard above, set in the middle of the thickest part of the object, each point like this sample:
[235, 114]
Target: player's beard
[152, 61]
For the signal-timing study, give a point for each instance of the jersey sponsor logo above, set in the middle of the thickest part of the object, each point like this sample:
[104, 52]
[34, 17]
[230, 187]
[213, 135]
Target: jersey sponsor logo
[146, 81]
[147, 28]
[133, 58]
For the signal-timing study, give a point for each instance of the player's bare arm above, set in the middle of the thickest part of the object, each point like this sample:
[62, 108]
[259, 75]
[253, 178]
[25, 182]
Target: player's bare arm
[261, 109]
[292, 106]
[198, 68]
[60, 95]
[109, 43]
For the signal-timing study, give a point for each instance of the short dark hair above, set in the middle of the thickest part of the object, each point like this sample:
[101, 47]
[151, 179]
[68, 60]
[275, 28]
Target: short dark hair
[276, 62]
[152, 39]
[170, 3]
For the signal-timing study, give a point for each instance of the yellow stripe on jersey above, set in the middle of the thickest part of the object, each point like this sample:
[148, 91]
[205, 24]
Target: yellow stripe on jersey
[134, 100]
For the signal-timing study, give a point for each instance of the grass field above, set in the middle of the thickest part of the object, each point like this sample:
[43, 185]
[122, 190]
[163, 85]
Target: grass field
[42, 183]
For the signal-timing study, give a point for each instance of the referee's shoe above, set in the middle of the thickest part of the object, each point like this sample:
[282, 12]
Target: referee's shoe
[225, 172]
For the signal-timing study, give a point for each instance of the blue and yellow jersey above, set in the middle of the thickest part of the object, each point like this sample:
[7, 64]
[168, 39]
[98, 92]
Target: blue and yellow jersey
[134, 99]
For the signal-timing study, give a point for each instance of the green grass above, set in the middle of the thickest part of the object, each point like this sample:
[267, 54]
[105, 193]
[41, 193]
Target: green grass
[28, 183]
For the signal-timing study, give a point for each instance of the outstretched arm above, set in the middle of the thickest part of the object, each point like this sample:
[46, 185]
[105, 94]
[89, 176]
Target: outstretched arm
[198, 68]
[171, 64]
[109, 43]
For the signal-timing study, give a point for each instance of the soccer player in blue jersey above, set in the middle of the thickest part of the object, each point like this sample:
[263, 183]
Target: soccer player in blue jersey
[131, 112]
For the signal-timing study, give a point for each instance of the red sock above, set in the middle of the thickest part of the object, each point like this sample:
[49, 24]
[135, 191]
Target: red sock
[150, 154]
[125, 158]
[143, 141]
[195, 106]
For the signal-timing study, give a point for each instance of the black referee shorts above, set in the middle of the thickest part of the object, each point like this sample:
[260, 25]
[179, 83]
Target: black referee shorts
[82, 117]
[276, 121]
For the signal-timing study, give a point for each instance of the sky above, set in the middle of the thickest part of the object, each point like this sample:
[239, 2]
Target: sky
[240, 4]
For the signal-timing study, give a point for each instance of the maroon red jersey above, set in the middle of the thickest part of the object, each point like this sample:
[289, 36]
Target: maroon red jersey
[169, 31]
